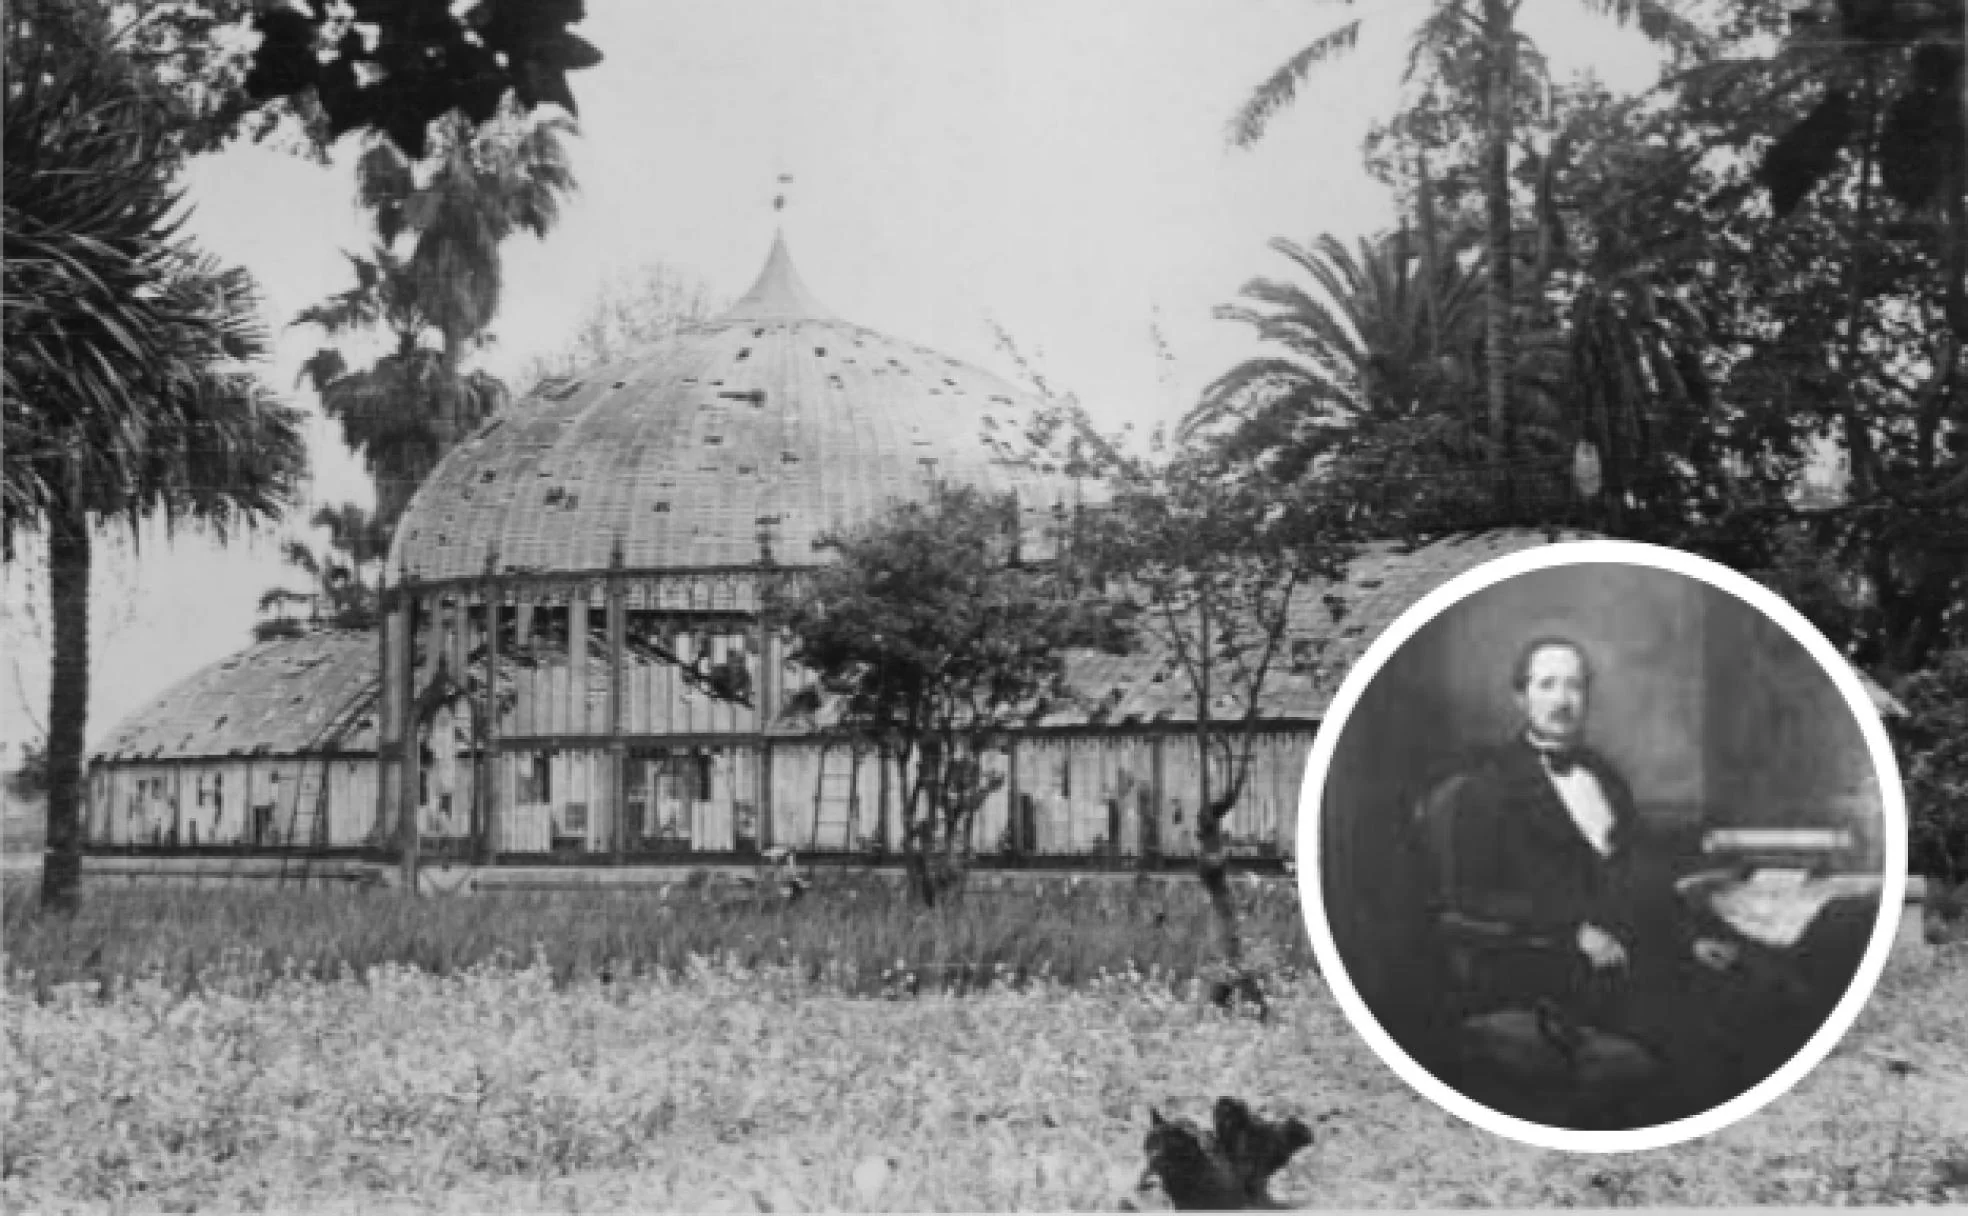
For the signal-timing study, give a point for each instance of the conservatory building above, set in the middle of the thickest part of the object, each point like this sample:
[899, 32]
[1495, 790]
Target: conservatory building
[573, 667]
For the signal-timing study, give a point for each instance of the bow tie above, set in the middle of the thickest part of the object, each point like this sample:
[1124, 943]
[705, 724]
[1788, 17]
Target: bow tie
[1559, 760]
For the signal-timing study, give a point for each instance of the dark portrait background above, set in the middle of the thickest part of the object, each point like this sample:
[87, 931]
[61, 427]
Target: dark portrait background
[1717, 717]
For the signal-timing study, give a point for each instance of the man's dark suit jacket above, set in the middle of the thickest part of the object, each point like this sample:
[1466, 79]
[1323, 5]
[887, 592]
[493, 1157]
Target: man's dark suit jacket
[1519, 858]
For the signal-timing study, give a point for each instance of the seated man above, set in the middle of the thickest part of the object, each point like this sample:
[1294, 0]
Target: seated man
[1546, 842]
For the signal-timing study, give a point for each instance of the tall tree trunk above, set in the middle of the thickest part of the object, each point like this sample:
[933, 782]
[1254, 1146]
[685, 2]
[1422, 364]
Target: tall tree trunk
[919, 830]
[1211, 866]
[1951, 366]
[69, 559]
[1858, 439]
[1499, 33]
[447, 426]
[1431, 255]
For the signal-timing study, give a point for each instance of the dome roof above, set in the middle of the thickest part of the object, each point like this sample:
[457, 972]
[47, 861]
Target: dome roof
[777, 417]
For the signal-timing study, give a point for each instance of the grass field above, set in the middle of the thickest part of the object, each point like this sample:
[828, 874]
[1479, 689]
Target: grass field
[211, 1080]
[861, 940]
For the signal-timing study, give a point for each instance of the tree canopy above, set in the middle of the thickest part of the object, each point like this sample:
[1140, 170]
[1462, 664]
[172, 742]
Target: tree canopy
[930, 635]
[397, 66]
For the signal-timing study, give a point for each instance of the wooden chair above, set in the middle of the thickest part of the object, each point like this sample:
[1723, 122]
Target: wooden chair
[1500, 1046]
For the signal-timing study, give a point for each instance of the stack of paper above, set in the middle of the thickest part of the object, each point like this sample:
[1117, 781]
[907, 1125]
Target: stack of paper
[1776, 907]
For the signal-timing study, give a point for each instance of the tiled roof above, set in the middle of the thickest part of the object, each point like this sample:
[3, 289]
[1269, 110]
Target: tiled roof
[1331, 627]
[290, 695]
[1381, 582]
[777, 416]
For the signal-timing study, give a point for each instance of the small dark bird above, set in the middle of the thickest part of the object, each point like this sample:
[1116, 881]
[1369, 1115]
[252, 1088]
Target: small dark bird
[1227, 1169]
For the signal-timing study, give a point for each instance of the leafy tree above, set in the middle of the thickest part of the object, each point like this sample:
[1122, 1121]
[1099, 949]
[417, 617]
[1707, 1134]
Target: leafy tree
[1934, 751]
[632, 310]
[929, 638]
[30, 780]
[126, 353]
[189, 59]
[396, 66]
[1219, 564]
[1473, 48]
[1887, 75]
[1713, 356]
[436, 298]
[1837, 326]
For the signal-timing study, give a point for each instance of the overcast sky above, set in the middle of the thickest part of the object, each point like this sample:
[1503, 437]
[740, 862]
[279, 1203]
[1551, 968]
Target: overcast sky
[1058, 167]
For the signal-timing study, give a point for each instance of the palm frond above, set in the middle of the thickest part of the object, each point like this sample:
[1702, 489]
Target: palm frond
[1248, 126]
[1658, 21]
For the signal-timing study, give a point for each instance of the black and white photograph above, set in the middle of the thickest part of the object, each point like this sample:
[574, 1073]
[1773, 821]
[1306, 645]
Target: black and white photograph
[626, 605]
[1603, 845]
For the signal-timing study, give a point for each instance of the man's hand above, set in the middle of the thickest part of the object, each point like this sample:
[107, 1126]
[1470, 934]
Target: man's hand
[1601, 948]
[1715, 954]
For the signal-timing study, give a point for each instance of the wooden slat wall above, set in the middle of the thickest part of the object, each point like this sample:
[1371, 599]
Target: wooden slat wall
[555, 698]
[351, 801]
[1268, 811]
[388, 776]
[987, 829]
[577, 775]
[1178, 816]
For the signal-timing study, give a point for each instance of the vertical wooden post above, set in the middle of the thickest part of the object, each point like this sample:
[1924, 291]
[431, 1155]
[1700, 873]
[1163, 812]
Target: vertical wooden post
[389, 688]
[617, 622]
[766, 702]
[411, 766]
[576, 721]
[526, 678]
[486, 789]
[460, 636]
[1159, 794]
[1015, 820]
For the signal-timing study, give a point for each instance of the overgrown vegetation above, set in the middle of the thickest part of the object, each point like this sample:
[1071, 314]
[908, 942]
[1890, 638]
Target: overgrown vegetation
[863, 938]
[735, 1088]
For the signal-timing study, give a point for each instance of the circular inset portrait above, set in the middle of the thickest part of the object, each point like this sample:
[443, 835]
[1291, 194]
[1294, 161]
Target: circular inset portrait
[1603, 846]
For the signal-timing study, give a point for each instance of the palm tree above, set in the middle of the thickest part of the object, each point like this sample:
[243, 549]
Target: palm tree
[1632, 340]
[482, 186]
[355, 542]
[1379, 366]
[1482, 33]
[399, 414]
[354, 533]
[128, 394]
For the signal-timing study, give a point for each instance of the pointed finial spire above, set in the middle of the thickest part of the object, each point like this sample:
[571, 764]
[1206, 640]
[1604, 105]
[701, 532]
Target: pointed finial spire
[779, 199]
[778, 294]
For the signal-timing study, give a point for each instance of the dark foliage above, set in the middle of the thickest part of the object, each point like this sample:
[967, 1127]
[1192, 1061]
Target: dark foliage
[1228, 1168]
[1934, 762]
[30, 780]
[1804, 155]
[424, 61]
[1909, 57]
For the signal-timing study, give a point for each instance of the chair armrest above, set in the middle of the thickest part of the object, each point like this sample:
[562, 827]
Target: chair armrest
[1482, 931]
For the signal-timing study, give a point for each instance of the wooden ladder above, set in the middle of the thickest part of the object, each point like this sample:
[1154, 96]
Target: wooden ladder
[836, 803]
[317, 825]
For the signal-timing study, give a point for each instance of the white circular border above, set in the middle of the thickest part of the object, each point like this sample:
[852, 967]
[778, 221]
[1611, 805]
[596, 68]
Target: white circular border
[1893, 804]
